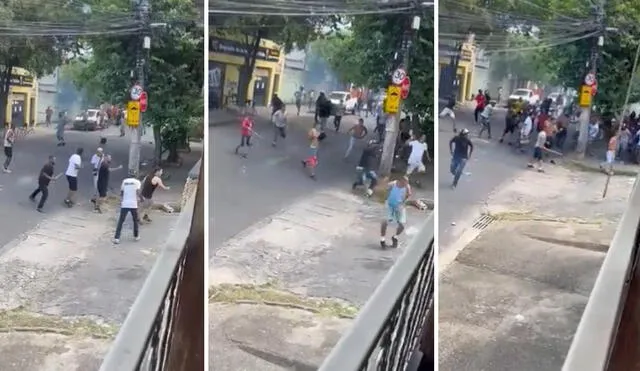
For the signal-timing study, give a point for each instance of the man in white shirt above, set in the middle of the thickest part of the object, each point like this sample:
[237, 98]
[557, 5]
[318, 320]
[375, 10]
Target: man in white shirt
[418, 150]
[75, 163]
[96, 161]
[130, 193]
[9, 138]
[279, 120]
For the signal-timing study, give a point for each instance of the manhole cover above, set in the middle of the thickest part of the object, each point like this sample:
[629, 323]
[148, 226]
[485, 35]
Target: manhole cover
[483, 222]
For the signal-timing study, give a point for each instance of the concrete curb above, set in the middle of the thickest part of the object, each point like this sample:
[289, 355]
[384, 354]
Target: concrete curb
[595, 168]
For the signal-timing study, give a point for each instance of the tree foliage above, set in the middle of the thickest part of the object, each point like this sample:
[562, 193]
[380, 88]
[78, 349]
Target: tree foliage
[364, 55]
[174, 72]
[250, 30]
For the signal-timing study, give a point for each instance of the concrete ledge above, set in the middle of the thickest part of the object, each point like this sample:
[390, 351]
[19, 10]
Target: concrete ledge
[619, 169]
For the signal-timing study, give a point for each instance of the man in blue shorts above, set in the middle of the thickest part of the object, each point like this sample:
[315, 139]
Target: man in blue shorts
[399, 193]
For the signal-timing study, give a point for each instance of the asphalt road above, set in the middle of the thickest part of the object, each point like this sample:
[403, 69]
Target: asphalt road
[245, 191]
[17, 212]
[491, 165]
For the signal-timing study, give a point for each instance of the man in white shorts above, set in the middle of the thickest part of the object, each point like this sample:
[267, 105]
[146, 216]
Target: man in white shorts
[447, 111]
[418, 150]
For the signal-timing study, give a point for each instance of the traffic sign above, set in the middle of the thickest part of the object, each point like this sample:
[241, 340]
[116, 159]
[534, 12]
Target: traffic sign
[585, 96]
[590, 79]
[392, 101]
[136, 92]
[133, 113]
[143, 102]
[405, 87]
[594, 89]
[398, 76]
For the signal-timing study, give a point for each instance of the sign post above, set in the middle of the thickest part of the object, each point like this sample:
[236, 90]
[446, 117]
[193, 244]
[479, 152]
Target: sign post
[133, 113]
[392, 102]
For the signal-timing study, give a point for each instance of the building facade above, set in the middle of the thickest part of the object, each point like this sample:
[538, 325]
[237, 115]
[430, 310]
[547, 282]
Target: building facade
[47, 95]
[23, 98]
[226, 60]
[459, 80]
[482, 73]
[294, 75]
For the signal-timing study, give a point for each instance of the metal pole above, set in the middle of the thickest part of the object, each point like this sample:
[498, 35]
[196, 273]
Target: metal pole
[585, 116]
[142, 13]
[621, 117]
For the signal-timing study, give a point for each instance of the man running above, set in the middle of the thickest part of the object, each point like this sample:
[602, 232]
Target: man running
[481, 101]
[461, 149]
[365, 169]
[9, 139]
[102, 182]
[152, 181]
[45, 177]
[279, 120]
[447, 111]
[485, 119]
[356, 132]
[75, 164]
[311, 162]
[418, 151]
[399, 193]
[246, 131]
[130, 193]
[298, 97]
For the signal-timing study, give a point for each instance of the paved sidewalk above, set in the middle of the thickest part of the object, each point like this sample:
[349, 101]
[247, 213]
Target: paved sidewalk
[512, 298]
[316, 261]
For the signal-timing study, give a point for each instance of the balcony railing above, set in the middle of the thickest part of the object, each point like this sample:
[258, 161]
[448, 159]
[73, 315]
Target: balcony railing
[607, 337]
[395, 328]
[164, 328]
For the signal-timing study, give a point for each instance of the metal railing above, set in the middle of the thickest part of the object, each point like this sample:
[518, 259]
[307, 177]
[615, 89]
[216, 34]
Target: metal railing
[164, 328]
[388, 333]
[595, 338]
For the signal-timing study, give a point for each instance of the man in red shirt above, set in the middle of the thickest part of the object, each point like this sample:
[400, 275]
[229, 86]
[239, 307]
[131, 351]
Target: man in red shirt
[246, 131]
[542, 119]
[481, 102]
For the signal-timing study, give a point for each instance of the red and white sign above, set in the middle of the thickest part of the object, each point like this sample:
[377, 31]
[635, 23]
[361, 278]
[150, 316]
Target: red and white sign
[590, 79]
[143, 101]
[405, 87]
[594, 89]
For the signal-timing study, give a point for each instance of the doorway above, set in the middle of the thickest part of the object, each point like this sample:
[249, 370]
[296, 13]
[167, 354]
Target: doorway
[17, 113]
[260, 86]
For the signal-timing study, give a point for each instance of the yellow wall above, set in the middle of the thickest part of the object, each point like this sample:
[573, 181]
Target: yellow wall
[26, 94]
[233, 64]
[465, 70]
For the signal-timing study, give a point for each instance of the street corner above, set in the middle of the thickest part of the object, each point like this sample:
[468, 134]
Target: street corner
[271, 337]
[518, 286]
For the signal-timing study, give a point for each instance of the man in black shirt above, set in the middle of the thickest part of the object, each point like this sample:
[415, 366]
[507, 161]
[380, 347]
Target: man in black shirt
[103, 181]
[368, 162]
[461, 148]
[45, 177]
[323, 111]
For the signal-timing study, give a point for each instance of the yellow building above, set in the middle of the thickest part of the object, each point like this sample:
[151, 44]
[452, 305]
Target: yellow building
[226, 58]
[23, 93]
[464, 75]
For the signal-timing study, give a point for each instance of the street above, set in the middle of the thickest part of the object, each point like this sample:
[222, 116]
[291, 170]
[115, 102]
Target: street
[491, 165]
[279, 236]
[59, 270]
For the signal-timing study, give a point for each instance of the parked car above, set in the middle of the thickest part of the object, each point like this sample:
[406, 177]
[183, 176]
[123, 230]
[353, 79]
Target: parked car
[527, 95]
[345, 99]
[87, 121]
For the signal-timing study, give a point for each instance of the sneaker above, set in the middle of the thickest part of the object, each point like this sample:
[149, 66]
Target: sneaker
[394, 241]
[136, 238]
[116, 241]
[6, 171]
[40, 210]
[146, 218]
[32, 199]
[383, 244]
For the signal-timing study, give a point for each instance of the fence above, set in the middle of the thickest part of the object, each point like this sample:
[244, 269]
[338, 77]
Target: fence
[395, 328]
[164, 328]
[607, 336]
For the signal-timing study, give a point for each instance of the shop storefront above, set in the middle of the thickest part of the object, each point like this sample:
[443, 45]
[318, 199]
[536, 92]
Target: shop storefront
[22, 102]
[226, 59]
[464, 75]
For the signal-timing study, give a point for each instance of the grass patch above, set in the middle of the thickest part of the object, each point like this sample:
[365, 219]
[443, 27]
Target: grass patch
[590, 168]
[20, 320]
[269, 294]
[529, 216]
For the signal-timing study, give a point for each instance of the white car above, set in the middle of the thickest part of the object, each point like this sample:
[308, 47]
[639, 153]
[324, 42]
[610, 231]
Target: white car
[344, 97]
[527, 95]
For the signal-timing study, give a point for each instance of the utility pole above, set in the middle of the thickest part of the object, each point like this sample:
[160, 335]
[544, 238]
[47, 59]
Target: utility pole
[585, 115]
[393, 121]
[144, 44]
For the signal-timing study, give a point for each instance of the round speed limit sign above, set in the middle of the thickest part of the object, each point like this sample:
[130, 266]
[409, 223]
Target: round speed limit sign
[590, 79]
[398, 76]
[136, 92]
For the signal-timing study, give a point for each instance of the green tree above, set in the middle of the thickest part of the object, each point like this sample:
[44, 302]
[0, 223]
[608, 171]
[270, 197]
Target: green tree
[250, 30]
[25, 42]
[174, 72]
